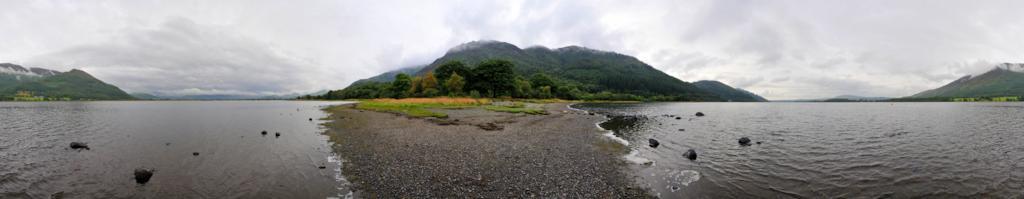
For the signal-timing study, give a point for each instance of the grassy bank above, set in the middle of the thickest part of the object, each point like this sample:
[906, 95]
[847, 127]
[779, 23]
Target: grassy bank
[420, 107]
[427, 107]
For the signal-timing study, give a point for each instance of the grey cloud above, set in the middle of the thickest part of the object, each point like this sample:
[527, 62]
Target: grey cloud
[182, 57]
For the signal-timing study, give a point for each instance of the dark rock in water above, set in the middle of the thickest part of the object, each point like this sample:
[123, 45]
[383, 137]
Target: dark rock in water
[263, 133]
[490, 127]
[195, 153]
[57, 195]
[690, 154]
[322, 167]
[277, 134]
[590, 113]
[758, 142]
[142, 175]
[699, 114]
[79, 145]
[682, 129]
[679, 118]
[896, 134]
[654, 143]
[310, 119]
[744, 141]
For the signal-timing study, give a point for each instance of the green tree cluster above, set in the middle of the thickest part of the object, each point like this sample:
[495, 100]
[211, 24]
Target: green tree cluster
[489, 78]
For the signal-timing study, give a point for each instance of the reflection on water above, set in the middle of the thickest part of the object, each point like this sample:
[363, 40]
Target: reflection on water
[826, 150]
[233, 159]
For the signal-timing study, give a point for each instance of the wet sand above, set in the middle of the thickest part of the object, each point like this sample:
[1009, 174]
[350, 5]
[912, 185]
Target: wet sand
[562, 154]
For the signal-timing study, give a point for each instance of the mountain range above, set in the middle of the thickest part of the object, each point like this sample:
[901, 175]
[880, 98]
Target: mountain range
[75, 84]
[591, 70]
[1006, 79]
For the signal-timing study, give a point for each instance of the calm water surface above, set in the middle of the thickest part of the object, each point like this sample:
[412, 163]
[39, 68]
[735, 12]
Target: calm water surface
[234, 159]
[826, 150]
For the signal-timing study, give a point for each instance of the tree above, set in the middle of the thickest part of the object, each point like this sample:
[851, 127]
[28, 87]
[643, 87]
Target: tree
[445, 70]
[494, 77]
[541, 79]
[545, 92]
[415, 87]
[401, 84]
[429, 81]
[454, 84]
[522, 88]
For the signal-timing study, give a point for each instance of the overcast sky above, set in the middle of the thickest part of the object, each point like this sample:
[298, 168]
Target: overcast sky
[778, 49]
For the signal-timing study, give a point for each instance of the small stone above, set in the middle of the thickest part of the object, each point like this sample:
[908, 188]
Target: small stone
[79, 145]
[143, 175]
[195, 153]
[263, 133]
[690, 154]
[758, 142]
[277, 134]
[682, 129]
[653, 143]
[699, 114]
[322, 167]
[679, 118]
[310, 119]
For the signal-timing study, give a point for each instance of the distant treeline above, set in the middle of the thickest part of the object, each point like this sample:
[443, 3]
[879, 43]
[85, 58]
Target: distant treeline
[494, 78]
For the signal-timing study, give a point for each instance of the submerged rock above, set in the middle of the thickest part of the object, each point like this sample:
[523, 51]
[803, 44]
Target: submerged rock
[744, 141]
[654, 143]
[143, 175]
[690, 154]
[263, 133]
[699, 114]
[277, 134]
[79, 145]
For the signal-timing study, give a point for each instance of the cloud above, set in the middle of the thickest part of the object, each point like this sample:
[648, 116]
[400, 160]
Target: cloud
[181, 57]
[780, 49]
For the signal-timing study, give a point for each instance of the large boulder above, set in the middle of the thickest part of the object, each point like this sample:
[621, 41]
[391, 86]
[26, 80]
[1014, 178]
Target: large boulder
[654, 143]
[744, 141]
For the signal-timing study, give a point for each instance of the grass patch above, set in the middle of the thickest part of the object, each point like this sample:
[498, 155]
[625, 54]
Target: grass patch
[419, 107]
[516, 107]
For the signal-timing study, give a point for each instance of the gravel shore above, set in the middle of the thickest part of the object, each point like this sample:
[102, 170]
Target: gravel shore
[557, 155]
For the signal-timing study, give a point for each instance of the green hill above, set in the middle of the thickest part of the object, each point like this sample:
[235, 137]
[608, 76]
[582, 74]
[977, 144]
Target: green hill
[727, 92]
[74, 84]
[590, 70]
[1004, 80]
[390, 75]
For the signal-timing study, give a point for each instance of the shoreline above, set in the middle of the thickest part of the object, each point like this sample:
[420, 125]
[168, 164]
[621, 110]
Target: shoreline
[556, 155]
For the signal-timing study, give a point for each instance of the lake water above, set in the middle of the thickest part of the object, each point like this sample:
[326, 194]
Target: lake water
[826, 150]
[234, 161]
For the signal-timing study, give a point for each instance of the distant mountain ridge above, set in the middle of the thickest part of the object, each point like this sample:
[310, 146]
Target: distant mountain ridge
[727, 92]
[75, 84]
[1006, 79]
